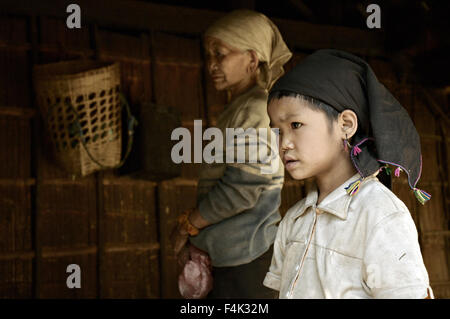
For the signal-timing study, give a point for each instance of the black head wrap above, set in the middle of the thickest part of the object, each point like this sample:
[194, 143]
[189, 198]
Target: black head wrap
[386, 133]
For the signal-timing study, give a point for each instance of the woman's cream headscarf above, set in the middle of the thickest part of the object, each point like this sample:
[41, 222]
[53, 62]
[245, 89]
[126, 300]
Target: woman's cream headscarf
[249, 30]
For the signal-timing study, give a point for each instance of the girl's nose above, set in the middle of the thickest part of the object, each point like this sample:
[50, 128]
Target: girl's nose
[285, 143]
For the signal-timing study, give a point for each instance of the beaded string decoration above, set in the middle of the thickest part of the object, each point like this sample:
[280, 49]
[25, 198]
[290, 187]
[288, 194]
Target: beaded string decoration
[421, 195]
[354, 187]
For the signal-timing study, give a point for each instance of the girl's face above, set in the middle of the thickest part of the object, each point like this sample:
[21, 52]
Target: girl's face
[228, 66]
[308, 146]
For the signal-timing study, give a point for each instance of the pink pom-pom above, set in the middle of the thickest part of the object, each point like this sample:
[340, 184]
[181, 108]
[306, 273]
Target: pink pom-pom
[356, 150]
[397, 172]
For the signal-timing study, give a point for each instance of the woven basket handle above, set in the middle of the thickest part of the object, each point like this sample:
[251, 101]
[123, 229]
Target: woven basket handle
[132, 122]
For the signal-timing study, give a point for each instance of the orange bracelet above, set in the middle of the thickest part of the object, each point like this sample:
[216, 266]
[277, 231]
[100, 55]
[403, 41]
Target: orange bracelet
[183, 221]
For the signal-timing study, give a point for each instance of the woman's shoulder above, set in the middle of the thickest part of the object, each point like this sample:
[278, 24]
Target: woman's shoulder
[252, 110]
[257, 98]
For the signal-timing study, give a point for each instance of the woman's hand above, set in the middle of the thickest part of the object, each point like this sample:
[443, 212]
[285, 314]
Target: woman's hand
[191, 222]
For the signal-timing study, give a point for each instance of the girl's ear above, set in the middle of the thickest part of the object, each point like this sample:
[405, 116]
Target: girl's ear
[348, 122]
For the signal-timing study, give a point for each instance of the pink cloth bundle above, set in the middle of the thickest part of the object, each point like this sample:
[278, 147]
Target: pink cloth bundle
[195, 280]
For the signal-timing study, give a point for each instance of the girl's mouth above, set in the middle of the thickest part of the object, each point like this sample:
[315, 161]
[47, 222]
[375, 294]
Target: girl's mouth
[291, 164]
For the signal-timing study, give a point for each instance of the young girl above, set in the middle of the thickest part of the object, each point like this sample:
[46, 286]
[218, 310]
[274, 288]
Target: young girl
[351, 237]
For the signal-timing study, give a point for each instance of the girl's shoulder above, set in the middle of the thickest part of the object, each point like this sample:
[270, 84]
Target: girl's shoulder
[377, 201]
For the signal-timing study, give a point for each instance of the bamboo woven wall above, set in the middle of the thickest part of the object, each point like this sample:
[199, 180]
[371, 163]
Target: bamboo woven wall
[115, 224]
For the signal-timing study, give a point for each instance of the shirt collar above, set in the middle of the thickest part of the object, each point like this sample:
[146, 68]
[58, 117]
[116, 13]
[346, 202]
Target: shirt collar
[336, 203]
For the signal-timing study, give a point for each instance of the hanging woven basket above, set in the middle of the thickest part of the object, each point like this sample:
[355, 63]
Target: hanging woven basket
[81, 104]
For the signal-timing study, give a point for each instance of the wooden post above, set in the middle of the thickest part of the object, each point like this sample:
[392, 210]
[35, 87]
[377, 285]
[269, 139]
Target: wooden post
[36, 129]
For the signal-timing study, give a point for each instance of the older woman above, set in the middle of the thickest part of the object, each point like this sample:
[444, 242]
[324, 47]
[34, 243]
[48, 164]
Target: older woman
[236, 217]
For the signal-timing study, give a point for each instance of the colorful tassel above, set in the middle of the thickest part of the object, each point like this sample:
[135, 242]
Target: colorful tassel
[356, 150]
[353, 188]
[397, 171]
[388, 170]
[346, 145]
[421, 195]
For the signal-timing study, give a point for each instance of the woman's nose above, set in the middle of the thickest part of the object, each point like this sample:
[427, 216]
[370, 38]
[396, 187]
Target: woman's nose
[212, 65]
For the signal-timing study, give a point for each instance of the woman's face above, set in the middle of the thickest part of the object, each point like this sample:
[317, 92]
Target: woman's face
[229, 68]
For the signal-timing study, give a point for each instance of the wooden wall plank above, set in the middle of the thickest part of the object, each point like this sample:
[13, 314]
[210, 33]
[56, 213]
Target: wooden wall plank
[435, 256]
[67, 215]
[180, 87]
[135, 72]
[178, 82]
[157, 122]
[15, 212]
[14, 79]
[131, 274]
[129, 211]
[424, 119]
[432, 216]
[130, 236]
[54, 276]
[16, 242]
[13, 29]
[67, 223]
[59, 43]
[16, 279]
[15, 154]
[174, 196]
[178, 74]
[441, 290]
[14, 62]
[54, 31]
[430, 162]
[191, 170]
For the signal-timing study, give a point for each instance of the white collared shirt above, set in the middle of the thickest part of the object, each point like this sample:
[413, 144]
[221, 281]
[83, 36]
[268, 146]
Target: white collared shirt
[361, 246]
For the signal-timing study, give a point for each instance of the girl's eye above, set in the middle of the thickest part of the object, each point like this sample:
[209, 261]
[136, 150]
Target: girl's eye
[295, 125]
